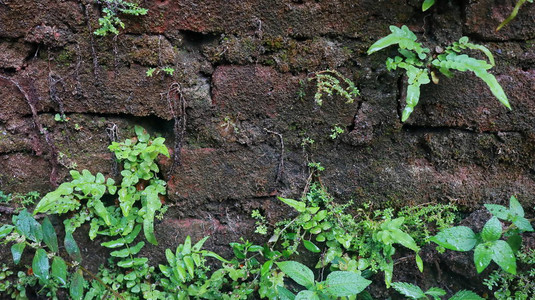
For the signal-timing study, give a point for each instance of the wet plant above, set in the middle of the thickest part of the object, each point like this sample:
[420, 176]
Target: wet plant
[111, 9]
[488, 245]
[412, 291]
[417, 62]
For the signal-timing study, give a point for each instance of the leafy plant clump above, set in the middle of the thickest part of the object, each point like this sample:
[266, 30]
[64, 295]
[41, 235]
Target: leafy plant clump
[416, 62]
[330, 82]
[488, 245]
[412, 291]
[110, 22]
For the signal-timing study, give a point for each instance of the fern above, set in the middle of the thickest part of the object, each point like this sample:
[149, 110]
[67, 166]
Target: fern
[332, 82]
[414, 61]
[412, 291]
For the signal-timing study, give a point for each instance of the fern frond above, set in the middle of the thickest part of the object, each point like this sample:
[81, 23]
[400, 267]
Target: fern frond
[403, 37]
[479, 67]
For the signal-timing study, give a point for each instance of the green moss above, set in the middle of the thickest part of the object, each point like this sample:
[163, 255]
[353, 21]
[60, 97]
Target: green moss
[64, 58]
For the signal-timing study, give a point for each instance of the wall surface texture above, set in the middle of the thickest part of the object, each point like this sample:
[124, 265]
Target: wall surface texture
[238, 65]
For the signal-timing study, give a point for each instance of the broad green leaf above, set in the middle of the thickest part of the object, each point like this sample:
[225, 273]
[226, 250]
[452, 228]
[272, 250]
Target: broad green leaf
[72, 248]
[101, 211]
[494, 86]
[515, 207]
[5, 230]
[59, 270]
[49, 235]
[298, 272]
[76, 289]
[197, 247]
[59, 201]
[522, 223]
[405, 38]
[190, 265]
[131, 262]
[419, 263]
[152, 205]
[492, 230]
[504, 256]
[266, 267]
[499, 211]
[126, 201]
[128, 251]
[28, 226]
[307, 295]
[409, 290]
[482, 257]
[285, 294]
[436, 292]
[187, 246]
[459, 238]
[427, 4]
[404, 239]
[40, 265]
[311, 246]
[297, 205]
[466, 295]
[515, 242]
[16, 251]
[343, 283]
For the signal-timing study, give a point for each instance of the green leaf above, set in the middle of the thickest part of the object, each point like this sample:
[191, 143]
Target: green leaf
[343, 283]
[128, 251]
[128, 263]
[419, 263]
[466, 295]
[40, 265]
[266, 267]
[522, 223]
[49, 235]
[515, 207]
[311, 246]
[59, 270]
[190, 265]
[297, 205]
[72, 248]
[197, 247]
[284, 293]
[186, 249]
[494, 86]
[405, 38]
[28, 226]
[499, 211]
[504, 256]
[515, 242]
[76, 289]
[101, 211]
[404, 239]
[436, 292]
[409, 290]
[492, 230]
[427, 4]
[459, 238]
[482, 257]
[297, 272]
[5, 230]
[16, 251]
[152, 205]
[307, 295]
